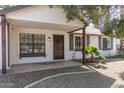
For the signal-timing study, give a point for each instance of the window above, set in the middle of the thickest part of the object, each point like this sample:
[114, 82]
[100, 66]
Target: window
[106, 43]
[78, 43]
[75, 42]
[32, 44]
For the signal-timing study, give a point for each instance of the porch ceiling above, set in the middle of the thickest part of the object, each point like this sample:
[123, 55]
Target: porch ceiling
[42, 25]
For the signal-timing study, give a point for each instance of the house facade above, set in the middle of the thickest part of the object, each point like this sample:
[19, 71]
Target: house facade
[31, 34]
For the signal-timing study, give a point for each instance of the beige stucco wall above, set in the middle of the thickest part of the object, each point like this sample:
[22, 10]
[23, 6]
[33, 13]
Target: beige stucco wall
[0, 49]
[14, 46]
[94, 40]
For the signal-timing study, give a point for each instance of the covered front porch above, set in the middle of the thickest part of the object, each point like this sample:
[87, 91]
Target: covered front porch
[18, 64]
[39, 41]
[22, 68]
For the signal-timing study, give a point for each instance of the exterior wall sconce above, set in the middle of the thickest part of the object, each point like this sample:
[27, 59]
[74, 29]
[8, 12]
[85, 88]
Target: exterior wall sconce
[49, 38]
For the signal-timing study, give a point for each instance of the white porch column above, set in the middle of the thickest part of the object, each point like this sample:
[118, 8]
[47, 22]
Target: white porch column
[7, 47]
[114, 46]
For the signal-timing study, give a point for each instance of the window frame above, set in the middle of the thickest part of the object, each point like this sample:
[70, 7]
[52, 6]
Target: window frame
[75, 42]
[33, 45]
[109, 48]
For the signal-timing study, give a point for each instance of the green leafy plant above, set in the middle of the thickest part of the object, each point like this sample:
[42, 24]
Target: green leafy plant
[93, 51]
[101, 57]
[6, 6]
[114, 27]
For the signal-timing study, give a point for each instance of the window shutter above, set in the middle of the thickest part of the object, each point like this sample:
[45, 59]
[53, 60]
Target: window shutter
[88, 39]
[111, 43]
[99, 42]
[105, 46]
[71, 42]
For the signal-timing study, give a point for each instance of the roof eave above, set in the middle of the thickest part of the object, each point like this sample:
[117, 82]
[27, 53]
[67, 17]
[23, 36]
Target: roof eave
[11, 9]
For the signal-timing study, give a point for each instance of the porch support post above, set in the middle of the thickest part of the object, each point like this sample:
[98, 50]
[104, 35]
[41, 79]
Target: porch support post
[83, 45]
[3, 19]
[8, 40]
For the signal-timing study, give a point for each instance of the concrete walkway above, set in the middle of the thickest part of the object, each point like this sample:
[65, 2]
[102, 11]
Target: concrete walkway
[21, 68]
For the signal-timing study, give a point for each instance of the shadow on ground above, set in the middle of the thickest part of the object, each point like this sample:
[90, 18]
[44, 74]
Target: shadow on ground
[82, 80]
[96, 66]
[20, 80]
[114, 59]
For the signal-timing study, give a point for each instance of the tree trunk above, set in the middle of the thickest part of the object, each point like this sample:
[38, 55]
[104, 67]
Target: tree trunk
[92, 58]
[83, 44]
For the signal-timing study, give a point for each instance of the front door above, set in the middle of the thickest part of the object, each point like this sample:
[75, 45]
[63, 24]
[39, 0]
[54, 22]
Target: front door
[58, 47]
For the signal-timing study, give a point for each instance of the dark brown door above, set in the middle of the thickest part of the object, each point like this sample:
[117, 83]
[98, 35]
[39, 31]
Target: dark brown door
[58, 47]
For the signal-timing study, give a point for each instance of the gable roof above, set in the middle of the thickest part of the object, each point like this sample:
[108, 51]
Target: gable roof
[11, 9]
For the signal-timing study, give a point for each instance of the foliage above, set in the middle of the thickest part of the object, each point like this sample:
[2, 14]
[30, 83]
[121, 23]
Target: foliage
[114, 27]
[92, 14]
[84, 13]
[107, 28]
[5, 6]
[101, 57]
[91, 49]
[120, 32]
[120, 55]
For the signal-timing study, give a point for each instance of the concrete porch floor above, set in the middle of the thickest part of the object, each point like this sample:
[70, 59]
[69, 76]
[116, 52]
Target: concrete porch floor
[21, 68]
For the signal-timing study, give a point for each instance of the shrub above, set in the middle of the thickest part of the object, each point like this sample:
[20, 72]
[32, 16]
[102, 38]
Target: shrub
[93, 51]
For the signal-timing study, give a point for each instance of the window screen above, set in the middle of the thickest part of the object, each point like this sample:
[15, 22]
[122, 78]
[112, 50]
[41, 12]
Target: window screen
[107, 43]
[78, 43]
[32, 44]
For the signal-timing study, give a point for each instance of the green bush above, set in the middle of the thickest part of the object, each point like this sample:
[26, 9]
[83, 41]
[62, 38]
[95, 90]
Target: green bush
[93, 51]
[101, 57]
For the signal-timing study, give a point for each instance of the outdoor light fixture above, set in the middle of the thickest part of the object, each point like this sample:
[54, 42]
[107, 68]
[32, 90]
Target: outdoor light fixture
[49, 38]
